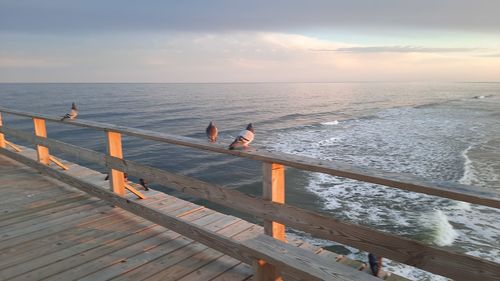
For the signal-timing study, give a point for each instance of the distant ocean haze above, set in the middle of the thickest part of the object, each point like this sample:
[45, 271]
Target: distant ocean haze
[441, 131]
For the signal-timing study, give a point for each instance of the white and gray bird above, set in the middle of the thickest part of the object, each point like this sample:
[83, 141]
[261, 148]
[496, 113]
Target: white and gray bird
[244, 138]
[212, 132]
[72, 114]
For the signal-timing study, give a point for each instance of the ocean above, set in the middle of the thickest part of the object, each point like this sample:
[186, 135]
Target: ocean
[441, 131]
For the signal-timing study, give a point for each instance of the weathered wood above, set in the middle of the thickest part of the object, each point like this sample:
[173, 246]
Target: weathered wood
[430, 258]
[116, 177]
[57, 162]
[235, 273]
[273, 181]
[41, 131]
[273, 189]
[2, 137]
[197, 254]
[134, 191]
[304, 266]
[475, 195]
[13, 146]
[164, 249]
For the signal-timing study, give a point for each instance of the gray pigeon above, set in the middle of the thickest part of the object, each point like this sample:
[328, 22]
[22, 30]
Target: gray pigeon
[212, 132]
[72, 114]
[243, 139]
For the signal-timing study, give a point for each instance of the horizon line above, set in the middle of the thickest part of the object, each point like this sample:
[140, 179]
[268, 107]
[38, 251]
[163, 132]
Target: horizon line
[256, 82]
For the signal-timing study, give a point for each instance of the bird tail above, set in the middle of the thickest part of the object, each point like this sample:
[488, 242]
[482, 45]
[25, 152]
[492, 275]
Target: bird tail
[232, 145]
[65, 117]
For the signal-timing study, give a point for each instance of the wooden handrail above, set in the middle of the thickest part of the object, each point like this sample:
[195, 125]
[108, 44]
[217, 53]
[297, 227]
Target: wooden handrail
[430, 258]
[271, 207]
[466, 193]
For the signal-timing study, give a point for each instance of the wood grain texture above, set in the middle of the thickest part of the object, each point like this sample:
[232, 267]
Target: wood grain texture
[2, 137]
[298, 263]
[41, 131]
[273, 189]
[116, 177]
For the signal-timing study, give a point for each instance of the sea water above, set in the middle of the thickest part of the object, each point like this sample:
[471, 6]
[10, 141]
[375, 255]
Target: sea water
[441, 131]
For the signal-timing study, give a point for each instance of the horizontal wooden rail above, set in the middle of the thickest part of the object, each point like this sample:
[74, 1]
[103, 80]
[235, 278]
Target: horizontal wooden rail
[301, 263]
[408, 182]
[434, 259]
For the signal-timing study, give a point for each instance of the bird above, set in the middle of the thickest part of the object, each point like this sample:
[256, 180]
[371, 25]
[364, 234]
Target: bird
[142, 182]
[72, 114]
[212, 132]
[244, 138]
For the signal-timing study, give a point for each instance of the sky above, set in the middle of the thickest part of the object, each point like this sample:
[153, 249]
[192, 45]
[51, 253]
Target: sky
[249, 41]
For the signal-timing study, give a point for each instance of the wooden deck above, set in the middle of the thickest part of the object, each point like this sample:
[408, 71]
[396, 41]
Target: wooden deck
[52, 231]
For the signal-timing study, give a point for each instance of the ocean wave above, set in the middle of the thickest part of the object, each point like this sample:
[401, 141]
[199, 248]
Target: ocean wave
[442, 232]
[334, 122]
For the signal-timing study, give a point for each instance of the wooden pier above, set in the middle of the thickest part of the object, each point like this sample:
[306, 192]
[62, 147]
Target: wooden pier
[62, 221]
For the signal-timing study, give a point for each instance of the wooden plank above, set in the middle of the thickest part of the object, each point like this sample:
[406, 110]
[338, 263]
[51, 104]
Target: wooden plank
[194, 256]
[55, 226]
[40, 212]
[273, 181]
[11, 145]
[134, 191]
[240, 272]
[2, 137]
[161, 263]
[43, 205]
[41, 131]
[48, 265]
[26, 227]
[82, 253]
[57, 162]
[116, 177]
[26, 201]
[213, 269]
[237, 249]
[118, 255]
[20, 258]
[430, 258]
[153, 253]
[409, 182]
[273, 189]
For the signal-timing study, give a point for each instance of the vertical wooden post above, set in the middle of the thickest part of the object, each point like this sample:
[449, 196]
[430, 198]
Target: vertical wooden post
[273, 184]
[116, 178]
[41, 131]
[2, 137]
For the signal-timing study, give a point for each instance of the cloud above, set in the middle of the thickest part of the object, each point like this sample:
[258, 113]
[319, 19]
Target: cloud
[397, 49]
[238, 15]
[490, 55]
[27, 62]
[227, 57]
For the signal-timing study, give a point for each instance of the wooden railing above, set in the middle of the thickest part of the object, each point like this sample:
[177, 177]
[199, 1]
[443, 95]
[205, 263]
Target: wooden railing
[271, 207]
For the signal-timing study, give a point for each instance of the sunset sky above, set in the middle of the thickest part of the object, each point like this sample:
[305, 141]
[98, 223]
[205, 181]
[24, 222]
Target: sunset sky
[249, 41]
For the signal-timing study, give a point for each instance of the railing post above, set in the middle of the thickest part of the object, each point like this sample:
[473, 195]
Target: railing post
[116, 178]
[41, 131]
[2, 137]
[273, 189]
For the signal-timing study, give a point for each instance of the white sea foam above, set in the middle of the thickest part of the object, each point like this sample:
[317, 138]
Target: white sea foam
[468, 175]
[401, 141]
[443, 232]
[335, 122]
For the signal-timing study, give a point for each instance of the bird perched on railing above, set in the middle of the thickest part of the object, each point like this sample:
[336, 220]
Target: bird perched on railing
[72, 114]
[212, 132]
[244, 138]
